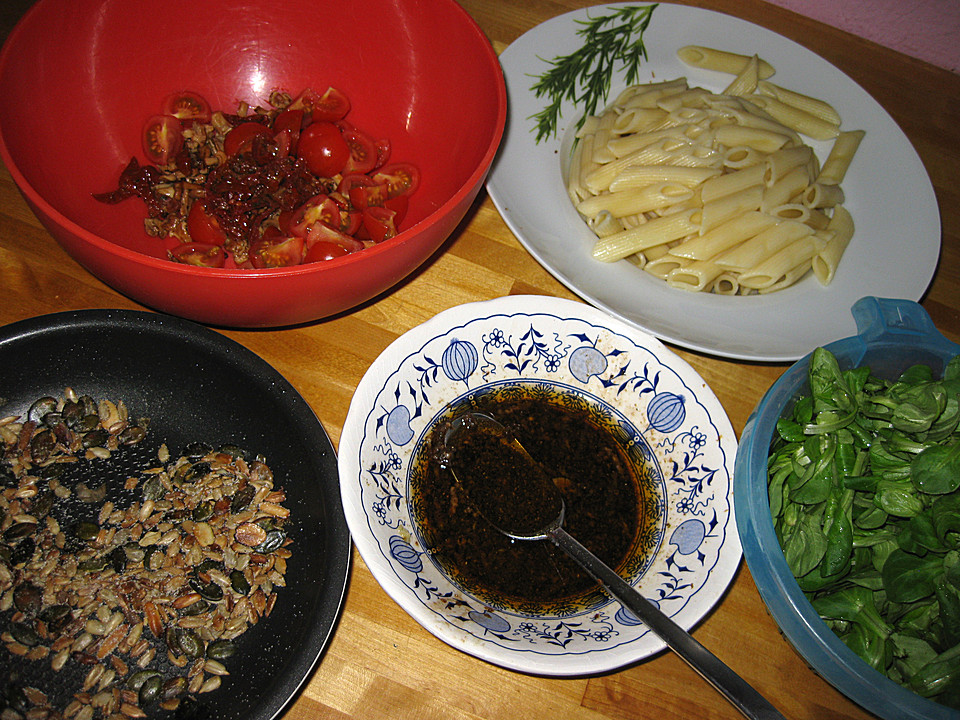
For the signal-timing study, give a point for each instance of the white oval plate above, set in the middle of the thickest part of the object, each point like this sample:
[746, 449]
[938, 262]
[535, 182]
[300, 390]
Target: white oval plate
[584, 353]
[893, 253]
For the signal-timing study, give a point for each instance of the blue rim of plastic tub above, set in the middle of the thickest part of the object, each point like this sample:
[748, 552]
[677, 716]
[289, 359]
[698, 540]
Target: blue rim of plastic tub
[891, 335]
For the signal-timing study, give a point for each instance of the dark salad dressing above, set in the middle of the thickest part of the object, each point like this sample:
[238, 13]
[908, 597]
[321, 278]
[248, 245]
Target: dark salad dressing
[597, 478]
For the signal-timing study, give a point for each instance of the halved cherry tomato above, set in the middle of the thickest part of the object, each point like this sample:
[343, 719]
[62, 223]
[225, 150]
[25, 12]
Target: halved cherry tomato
[241, 137]
[204, 227]
[318, 232]
[162, 139]
[332, 105]
[323, 148]
[200, 254]
[399, 178]
[399, 204]
[276, 250]
[364, 196]
[187, 105]
[363, 152]
[379, 223]
[323, 250]
[318, 209]
[290, 121]
[383, 152]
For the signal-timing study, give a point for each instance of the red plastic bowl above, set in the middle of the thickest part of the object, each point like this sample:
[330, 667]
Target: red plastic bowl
[78, 79]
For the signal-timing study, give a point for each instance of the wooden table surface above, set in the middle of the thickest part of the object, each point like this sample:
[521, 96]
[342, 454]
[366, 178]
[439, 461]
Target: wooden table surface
[382, 664]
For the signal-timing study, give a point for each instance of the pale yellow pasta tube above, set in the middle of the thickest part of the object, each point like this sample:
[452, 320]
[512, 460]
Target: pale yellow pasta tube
[819, 195]
[790, 211]
[694, 276]
[745, 83]
[636, 120]
[602, 136]
[643, 175]
[837, 235]
[651, 97]
[737, 158]
[841, 155]
[662, 266]
[636, 200]
[796, 119]
[633, 91]
[722, 209]
[786, 189]
[731, 233]
[732, 182]
[813, 106]
[720, 60]
[758, 138]
[725, 284]
[789, 278]
[762, 246]
[604, 224]
[628, 144]
[654, 232]
[774, 268]
[783, 161]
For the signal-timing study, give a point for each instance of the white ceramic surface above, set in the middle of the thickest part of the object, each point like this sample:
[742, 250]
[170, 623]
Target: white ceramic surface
[664, 410]
[894, 251]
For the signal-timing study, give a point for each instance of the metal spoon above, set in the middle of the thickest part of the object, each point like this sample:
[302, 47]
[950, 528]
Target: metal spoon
[523, 503]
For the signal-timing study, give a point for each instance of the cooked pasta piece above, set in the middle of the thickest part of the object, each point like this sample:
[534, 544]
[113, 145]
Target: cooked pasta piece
[720, 60]
[716, 192]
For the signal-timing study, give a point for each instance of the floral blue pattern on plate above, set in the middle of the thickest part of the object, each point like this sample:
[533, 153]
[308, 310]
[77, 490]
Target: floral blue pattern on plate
[659, 406]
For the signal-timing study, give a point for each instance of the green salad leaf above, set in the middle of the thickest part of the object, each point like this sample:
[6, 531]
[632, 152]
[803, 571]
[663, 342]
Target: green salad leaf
[864, 488]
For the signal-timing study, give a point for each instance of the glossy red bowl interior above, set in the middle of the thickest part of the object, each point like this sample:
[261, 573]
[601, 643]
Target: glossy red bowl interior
[78, 79]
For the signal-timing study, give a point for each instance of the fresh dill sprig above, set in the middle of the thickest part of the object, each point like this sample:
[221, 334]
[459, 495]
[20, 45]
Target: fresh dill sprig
[584, 75]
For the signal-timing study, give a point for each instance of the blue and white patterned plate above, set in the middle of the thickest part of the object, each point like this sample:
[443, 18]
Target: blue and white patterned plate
[630, 380]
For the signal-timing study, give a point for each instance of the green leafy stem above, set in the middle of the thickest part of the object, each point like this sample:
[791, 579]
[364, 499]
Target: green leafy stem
[584, 76]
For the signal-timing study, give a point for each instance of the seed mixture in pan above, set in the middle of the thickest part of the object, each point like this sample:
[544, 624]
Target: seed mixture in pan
[144, 588]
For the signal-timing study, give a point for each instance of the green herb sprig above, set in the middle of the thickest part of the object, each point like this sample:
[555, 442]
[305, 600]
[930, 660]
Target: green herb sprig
[584, 75]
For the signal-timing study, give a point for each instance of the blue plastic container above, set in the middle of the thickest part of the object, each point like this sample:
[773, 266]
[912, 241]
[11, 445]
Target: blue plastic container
[892, 335]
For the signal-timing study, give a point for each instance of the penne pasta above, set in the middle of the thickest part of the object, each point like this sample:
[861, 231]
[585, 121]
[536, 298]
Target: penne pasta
[797, 119]
[715, 191]
[720, 60]
[745, 83]
[636, 200]
[654, 232]
[731, 233]
[841, 155]
[813, 106]
[837, 236]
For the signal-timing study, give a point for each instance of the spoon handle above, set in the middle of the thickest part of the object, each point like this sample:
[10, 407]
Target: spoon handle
[740, 693]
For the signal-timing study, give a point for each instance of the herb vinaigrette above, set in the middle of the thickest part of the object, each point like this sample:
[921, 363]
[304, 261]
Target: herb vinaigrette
[607, 509]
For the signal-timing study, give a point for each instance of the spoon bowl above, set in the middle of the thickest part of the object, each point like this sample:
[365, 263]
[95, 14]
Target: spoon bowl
[516, 495]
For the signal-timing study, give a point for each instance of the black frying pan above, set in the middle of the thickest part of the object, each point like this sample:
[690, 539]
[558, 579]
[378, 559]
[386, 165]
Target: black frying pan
[195, 384]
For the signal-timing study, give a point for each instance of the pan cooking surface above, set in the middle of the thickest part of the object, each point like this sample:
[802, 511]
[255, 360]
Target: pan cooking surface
[197, 385]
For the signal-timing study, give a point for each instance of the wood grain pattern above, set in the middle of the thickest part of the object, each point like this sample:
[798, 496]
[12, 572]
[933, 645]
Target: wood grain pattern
[382, 664]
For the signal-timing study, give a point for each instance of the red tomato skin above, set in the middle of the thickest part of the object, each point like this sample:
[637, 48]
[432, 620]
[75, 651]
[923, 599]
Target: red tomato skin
[276, 251]
[204, 227]
[363, 152]
[379, 223]
[399, 178]
[324, 250]
[200, 255]
[290, 121]
[162, 139]
[319, 232]
[187, 105]
[324, 149]
[399, 205]
[240, 137]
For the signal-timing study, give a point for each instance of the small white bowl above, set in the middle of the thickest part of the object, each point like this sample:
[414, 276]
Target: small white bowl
[657, 401]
